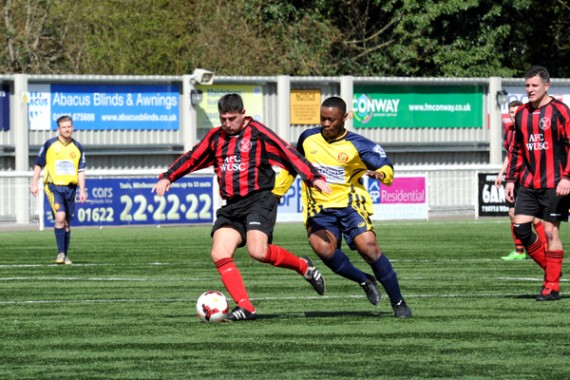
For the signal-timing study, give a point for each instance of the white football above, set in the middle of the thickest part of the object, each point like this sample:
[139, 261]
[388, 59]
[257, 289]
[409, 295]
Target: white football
[212, 306]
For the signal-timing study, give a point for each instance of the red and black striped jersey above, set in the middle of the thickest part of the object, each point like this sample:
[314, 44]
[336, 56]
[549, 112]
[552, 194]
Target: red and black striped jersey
[242, 162]
[508, 136]
[540, 155]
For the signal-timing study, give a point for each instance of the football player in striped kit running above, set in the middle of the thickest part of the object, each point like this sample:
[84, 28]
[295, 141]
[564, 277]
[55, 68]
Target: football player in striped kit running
[243, 152]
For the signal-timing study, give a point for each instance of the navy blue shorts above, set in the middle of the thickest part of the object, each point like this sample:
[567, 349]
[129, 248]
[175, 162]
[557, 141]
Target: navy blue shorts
[61, 198]
[543, 204]
[346, 222]
[257, 211]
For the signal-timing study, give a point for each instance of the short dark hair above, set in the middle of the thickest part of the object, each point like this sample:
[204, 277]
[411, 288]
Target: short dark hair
[230, 103]
[541, 71]
[335, 102]
[515, 103]
[64, 118]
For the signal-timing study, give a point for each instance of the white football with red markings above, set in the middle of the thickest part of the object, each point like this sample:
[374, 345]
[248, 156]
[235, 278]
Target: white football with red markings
[212, 306]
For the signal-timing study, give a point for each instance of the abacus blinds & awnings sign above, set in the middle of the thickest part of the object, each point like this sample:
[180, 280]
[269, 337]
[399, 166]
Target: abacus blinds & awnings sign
[105, 106]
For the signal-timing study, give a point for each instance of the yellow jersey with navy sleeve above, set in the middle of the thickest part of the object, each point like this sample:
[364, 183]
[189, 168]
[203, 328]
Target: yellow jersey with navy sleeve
[61, 162]
[343, 162]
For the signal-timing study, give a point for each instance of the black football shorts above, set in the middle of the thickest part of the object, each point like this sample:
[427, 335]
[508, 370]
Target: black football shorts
[542, 203]
[257, 211]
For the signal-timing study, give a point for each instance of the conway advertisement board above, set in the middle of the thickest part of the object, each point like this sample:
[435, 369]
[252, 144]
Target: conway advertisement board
[418, 106]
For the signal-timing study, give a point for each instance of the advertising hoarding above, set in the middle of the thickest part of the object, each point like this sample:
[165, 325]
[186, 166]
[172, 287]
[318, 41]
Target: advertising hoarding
[105, 106]
[405, 199]
[418, 106]
[129, 201]
[490, 198]
[5, 107]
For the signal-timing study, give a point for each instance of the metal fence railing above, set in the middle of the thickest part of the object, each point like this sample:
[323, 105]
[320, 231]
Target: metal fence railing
[451, 190]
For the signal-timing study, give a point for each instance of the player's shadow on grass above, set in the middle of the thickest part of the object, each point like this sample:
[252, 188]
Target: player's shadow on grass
[326, 314]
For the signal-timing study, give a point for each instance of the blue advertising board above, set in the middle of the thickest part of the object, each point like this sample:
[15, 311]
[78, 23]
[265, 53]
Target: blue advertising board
[5, 107]
[129, 201]
[290, 207]
[105, 106]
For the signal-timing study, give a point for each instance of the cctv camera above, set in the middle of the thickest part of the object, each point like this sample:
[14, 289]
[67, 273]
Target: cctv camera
[203, 76]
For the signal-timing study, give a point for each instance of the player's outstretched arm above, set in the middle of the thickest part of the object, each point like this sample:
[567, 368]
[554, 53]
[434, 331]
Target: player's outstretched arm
[161, 187]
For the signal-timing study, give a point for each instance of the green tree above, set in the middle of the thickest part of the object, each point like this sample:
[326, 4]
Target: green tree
[35, 37]
[453, 38]
[431, 38]
[143, 37]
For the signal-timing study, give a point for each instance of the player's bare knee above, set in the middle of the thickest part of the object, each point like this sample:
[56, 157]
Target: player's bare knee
[258, 254]
[324, 250]
[370, 254]
[219, 255]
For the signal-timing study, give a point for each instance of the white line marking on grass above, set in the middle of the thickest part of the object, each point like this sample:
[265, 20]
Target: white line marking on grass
[22, 265]
[34, 302]
[439, 277]
[526, 279]
[61, 278]
[8, 266]
[276, 299]
[442, 260]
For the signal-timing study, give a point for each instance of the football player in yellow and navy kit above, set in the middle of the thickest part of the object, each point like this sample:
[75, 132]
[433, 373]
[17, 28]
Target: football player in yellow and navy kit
[64, 163]
[343, 158]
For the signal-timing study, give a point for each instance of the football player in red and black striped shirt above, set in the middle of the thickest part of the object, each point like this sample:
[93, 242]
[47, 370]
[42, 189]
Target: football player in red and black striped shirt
[539, 161]
[508, 138]
[242, 152]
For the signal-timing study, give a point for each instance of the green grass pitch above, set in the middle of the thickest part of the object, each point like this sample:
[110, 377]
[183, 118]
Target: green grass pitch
[126, 309]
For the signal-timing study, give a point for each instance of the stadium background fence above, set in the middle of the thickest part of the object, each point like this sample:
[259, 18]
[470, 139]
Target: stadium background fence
[451, 157]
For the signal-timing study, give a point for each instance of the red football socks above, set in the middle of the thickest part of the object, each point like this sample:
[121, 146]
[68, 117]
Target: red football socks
[539, 228]
[553, 268]
[519, 247]
[231, 277]
[280, 257]
[537, 252]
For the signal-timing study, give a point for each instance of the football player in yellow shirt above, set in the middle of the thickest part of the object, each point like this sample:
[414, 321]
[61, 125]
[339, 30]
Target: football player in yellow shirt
[343, 158]
[64, 162]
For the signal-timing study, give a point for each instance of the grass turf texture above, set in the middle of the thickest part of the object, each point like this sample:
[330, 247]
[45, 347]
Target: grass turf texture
[125, 309]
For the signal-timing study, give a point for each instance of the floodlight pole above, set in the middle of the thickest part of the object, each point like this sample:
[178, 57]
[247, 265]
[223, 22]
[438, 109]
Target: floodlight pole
[347, 94]
[21, 146]
[188, 116]
[495, 123]
[283, 124]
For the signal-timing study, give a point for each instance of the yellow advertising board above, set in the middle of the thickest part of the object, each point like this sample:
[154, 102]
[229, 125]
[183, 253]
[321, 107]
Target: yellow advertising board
[207, 110]
[305, 107]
